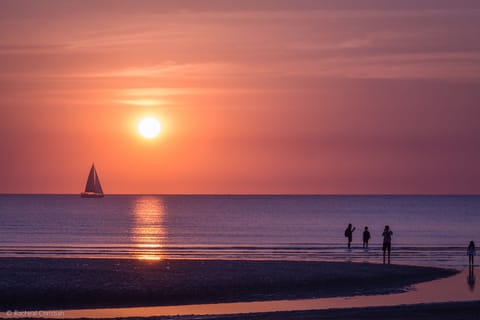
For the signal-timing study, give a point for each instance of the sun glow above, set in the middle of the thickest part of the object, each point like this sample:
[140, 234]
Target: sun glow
[149, 127]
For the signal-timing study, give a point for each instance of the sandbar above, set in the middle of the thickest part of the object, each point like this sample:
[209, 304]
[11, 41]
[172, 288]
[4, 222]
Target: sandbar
[50, 283]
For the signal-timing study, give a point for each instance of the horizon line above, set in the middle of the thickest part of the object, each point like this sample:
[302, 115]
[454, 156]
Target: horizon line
[248, 194]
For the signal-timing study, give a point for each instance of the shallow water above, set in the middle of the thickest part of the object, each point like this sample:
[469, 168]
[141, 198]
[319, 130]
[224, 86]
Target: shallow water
[460, 287]
[428, 230]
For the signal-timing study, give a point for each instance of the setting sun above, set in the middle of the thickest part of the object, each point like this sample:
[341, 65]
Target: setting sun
[149, 127]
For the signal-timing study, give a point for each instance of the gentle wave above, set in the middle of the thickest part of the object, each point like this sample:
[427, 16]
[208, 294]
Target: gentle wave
[450, 256]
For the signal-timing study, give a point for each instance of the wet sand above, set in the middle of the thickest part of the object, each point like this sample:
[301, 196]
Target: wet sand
[35, 283]
[441, 311]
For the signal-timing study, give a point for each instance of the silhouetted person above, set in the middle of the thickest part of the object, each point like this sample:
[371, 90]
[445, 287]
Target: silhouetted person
[471, 253]
[366, 237]
[387, 243]
[349, 234]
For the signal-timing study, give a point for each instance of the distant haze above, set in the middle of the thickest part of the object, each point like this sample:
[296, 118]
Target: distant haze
[361, 97]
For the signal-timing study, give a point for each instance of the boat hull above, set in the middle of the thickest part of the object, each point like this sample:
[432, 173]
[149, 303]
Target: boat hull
[91, 195]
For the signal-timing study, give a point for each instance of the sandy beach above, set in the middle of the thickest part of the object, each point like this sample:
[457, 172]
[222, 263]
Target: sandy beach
[36, 283]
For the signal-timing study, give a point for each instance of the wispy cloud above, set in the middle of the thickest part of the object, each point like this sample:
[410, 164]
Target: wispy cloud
[230, 41]
[142, 102]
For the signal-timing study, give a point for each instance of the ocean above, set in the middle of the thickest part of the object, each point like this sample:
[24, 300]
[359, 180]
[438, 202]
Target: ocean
[427, 230]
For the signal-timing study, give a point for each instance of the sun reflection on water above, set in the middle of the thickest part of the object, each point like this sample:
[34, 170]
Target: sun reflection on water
[148, 232]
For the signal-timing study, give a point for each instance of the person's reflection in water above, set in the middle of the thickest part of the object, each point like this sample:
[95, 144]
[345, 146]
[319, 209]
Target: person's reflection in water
[471, 278]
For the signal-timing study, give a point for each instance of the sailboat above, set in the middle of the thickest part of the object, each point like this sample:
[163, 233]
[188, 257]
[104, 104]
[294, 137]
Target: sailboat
[93, 189]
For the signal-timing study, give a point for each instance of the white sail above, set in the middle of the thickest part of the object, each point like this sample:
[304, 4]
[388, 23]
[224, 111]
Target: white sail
[98, 186]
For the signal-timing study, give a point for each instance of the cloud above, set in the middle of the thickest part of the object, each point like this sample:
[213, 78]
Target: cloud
[142, 102]
[241, 46]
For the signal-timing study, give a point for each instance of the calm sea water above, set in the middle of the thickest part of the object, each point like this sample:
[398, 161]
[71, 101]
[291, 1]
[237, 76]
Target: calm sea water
[428, 230]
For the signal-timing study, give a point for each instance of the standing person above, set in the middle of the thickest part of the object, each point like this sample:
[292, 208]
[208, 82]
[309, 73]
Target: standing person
[349, 234]
[366, 237]
[471, 253]
[387, 242]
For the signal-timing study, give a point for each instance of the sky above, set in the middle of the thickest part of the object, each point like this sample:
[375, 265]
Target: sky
[269, 97]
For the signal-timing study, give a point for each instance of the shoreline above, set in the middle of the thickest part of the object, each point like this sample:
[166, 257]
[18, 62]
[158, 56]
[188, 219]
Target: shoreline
[71, 283]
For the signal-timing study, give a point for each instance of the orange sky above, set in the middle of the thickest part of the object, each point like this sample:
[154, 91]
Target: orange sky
[253, 96]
